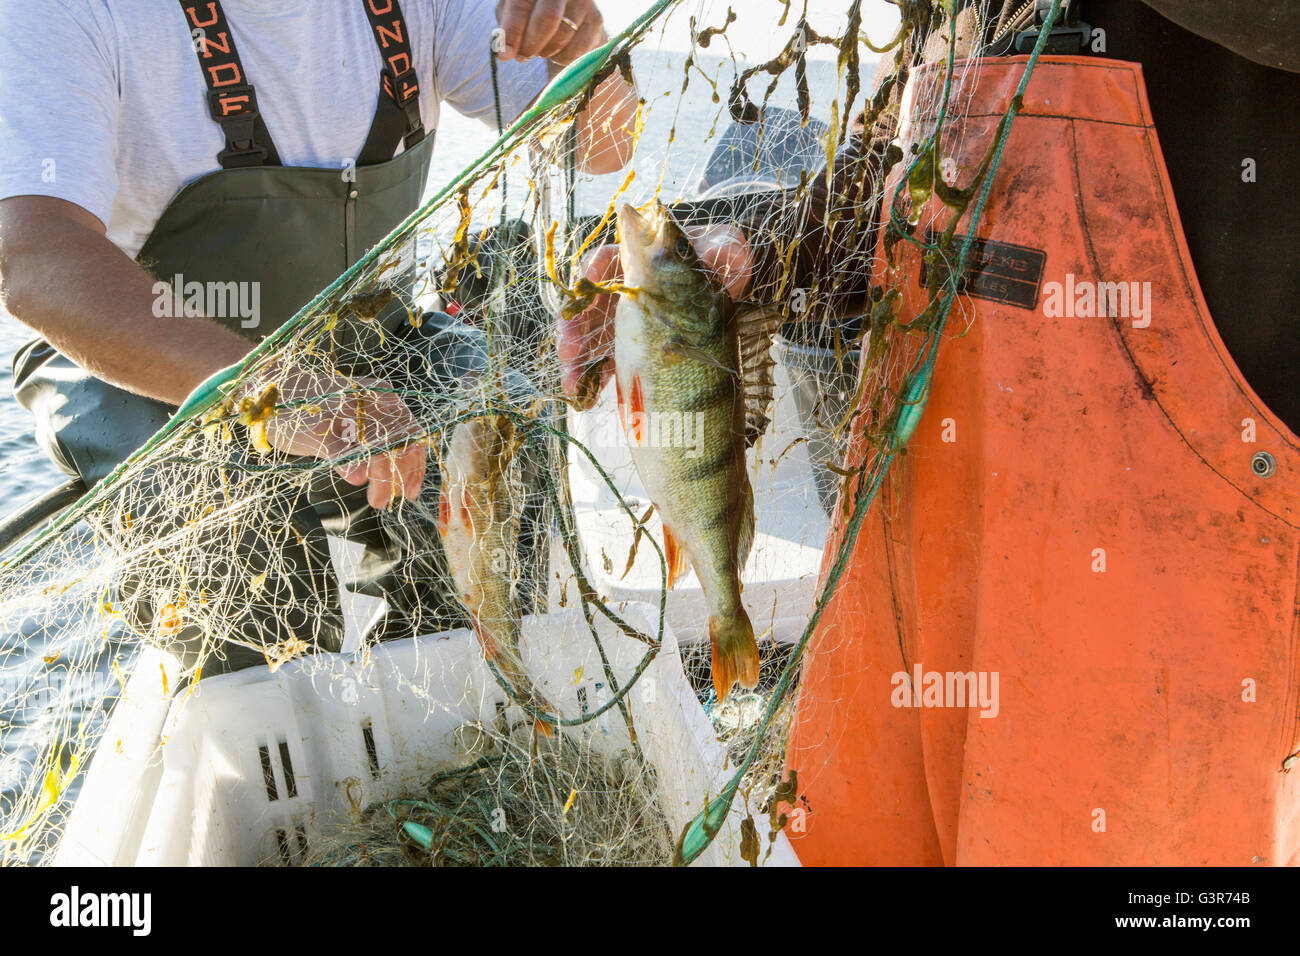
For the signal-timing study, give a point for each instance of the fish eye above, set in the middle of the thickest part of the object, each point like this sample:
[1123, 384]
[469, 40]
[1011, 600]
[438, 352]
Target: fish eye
[682, 247]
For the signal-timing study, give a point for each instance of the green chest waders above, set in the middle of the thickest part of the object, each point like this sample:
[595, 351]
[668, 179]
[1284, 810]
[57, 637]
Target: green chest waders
[290, 230]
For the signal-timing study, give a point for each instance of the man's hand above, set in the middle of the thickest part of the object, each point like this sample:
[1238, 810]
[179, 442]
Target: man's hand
[586, 342]
[559, 30]
[358, 414]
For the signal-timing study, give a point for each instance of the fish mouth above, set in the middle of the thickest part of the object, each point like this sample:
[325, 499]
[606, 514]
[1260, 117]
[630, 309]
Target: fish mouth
[632, 223]
[633, 226]
[637, 233]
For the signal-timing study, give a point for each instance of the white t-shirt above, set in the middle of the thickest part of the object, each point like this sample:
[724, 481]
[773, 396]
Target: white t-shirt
[103, 103]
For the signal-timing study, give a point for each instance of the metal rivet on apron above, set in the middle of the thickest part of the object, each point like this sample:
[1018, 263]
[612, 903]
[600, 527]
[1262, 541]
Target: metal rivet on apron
[1263, 464]
[353, 194]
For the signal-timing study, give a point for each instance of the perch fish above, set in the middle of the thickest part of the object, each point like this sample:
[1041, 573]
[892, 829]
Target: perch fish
[480, 533]
[686, 364]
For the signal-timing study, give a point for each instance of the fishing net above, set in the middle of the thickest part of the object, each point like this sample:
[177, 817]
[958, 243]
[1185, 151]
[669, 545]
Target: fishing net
[583, 810]
[212, 550]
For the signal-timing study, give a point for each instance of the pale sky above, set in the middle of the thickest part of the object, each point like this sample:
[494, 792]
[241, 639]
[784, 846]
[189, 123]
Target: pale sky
[755, 34]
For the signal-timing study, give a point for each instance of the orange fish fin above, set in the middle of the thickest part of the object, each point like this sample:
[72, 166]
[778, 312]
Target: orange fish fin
[444, 512]
[735, 653]
[636, 402]
[675, 556]
[622, 408]
[466, 515]
[484, 638]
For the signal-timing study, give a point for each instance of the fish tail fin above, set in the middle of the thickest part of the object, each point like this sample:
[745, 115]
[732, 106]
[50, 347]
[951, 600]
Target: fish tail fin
[512, 670]
[485, 639]
[735, 653]
[542, 728]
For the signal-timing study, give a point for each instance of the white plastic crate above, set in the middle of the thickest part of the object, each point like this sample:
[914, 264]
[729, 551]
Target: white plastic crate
[256, 765]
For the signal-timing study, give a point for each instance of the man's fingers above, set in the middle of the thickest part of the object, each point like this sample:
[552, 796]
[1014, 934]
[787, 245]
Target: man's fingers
[587, 37]
[342, 440]
[399, 474]
[378, 420]
[385, 417]
[542, 24]
[587, 339]
[577, 29]
[410, 466]
[354, 473]
[379, 490]
[406, 473]
[724, 251]
[512, 16]
[390, 423]
[355, 416]
[601, 264]
[562, 32]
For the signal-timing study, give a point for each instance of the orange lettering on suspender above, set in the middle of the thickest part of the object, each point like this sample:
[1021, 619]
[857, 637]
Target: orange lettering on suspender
[384, 34]
[388, 5]
[231, 105]
[235, 79]
[209, 44]
[409, 89]
[194, 19]
[397, 58]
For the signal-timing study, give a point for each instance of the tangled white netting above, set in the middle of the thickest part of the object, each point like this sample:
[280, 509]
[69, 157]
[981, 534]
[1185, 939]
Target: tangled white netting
[213, 551]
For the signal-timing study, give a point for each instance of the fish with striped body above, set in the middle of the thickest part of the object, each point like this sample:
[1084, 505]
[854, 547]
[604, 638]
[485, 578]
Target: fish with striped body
[681, 353]
[480, 534]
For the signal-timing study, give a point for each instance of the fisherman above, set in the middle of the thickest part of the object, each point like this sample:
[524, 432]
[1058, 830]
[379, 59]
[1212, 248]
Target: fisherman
[1113, 529]
[260, 147]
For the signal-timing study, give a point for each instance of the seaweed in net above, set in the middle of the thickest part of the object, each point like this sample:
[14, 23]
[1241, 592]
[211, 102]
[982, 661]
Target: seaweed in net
[522, 803]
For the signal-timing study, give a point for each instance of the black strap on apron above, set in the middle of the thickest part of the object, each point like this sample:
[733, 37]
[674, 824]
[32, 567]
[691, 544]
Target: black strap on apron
[399, 97]
[232, 101]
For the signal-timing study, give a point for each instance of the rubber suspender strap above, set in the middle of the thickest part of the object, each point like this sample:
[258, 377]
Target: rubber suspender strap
[232, 101]
[397, 116]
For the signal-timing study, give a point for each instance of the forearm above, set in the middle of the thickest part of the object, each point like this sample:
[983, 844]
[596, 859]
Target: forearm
[607, 126]
[60, 276]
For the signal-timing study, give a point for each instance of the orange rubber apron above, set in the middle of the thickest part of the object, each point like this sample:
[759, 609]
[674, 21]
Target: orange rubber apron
[1099, 512]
